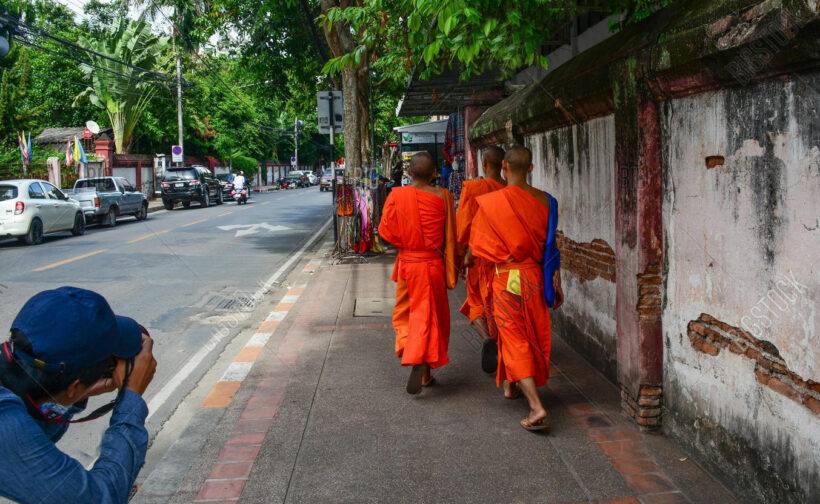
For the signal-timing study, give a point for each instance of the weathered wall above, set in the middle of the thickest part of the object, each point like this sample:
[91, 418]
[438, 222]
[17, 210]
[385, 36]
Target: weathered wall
[576, 165]
[742, 239]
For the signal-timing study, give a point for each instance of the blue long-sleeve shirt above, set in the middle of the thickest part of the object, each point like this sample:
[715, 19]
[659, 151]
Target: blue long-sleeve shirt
[33, 470]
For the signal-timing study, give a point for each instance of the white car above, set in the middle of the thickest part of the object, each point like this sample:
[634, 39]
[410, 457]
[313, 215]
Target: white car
[32, 208]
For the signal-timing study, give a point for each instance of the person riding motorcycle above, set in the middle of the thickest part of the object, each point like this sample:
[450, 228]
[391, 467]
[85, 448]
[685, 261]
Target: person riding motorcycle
[239, 181]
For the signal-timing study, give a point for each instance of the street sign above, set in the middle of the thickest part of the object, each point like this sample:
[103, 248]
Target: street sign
[87, 133]
[176, 153]
[325, 102]
[293, 161]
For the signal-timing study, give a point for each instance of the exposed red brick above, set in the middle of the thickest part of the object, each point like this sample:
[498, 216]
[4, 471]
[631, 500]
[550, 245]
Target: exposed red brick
[649, 401]
[812, 404]
[649, 412]
[649, 280]
[648, 422]
[762, 376]
[651, 390]
[783, 388]
[587, 260]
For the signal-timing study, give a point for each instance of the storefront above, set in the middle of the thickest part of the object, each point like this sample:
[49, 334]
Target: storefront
[427, 136]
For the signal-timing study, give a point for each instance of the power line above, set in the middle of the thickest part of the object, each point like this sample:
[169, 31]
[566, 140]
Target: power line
[91, 64]
[82, 84]
[68, 43]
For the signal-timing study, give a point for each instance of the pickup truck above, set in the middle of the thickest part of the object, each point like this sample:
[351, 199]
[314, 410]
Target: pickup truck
[104, 199]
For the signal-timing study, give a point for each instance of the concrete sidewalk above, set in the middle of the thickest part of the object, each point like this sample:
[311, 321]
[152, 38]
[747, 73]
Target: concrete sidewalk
[322, 416]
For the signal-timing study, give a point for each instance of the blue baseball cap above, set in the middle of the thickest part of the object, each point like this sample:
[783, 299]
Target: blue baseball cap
[72, 329]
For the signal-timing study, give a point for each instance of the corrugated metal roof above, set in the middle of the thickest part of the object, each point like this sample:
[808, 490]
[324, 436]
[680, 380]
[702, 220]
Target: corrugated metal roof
[424, 127]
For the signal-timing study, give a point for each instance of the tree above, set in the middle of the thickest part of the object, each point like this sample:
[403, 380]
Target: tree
[124, 90]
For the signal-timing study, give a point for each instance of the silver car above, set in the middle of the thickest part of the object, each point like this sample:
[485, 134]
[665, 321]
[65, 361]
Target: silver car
[32, 208]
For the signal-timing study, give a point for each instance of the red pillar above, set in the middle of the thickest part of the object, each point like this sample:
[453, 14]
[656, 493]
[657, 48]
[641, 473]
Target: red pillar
[104, 148]
[638, 247]
[471, 113]
[139, 175]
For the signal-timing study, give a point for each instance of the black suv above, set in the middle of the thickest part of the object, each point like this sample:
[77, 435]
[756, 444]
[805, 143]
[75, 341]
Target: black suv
[190, 183]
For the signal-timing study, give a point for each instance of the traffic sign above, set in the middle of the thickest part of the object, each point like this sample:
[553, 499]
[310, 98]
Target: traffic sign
[176, 153]
[87, 133]
[293, 161]
[327, 102]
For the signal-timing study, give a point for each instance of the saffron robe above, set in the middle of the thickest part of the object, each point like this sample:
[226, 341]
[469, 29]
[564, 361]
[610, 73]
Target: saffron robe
[509, 230]
[422, 226]
[479, 274]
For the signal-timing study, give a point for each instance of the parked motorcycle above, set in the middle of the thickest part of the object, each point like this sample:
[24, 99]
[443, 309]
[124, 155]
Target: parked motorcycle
[240, 196]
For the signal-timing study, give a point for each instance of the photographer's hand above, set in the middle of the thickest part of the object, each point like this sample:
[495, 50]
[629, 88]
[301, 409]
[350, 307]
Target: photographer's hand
[144, 367]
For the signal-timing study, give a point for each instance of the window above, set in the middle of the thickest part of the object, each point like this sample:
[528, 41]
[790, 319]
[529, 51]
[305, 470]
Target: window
[53, 192]
[36, 192]
[8, 192]
[125, 184]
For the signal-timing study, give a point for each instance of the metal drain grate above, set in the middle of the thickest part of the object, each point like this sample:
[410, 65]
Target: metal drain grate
[226, 303]
[373, 307]
[239, 303]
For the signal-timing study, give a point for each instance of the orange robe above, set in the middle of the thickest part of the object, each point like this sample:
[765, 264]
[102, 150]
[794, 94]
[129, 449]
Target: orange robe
[509, 230]
[479, 274]
[422, 226]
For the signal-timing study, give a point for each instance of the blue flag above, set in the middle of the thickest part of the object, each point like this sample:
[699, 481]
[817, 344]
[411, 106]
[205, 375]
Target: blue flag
[29, 148]
[82, 153]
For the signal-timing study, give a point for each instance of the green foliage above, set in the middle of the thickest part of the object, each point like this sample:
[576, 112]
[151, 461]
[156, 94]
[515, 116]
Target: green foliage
[124, 91]
[472, 35]
[246, 165]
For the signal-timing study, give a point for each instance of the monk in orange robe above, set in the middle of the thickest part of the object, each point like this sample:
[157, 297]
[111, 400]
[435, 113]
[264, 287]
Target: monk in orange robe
[510, 230]
[420, 221]
[479, 271]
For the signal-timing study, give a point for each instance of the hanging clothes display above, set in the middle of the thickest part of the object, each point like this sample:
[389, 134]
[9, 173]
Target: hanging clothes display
[344, 200]
[454, 139]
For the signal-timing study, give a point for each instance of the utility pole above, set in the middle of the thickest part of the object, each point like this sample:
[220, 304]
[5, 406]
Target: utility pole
[296, 125]
[179, 89]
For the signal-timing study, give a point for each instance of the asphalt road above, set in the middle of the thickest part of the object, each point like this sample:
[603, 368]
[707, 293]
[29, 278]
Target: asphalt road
[176, 273]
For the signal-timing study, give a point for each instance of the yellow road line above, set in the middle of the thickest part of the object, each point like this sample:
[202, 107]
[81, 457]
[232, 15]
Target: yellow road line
[195, 222]
[148, 236]
[54, 265]
[265, 203]
[226, 213]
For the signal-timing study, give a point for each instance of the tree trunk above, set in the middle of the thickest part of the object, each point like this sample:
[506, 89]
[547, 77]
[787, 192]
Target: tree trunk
[340, 40]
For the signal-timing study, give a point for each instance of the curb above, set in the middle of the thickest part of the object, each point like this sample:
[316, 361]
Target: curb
[164, 481]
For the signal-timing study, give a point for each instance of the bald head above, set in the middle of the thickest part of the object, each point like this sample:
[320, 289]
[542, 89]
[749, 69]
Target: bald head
[493, 156]
[422, 166]
[519, 159]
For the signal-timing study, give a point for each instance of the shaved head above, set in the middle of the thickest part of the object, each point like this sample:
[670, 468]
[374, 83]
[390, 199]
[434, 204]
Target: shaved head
[422, 166]
[519, 159]
[493, 156]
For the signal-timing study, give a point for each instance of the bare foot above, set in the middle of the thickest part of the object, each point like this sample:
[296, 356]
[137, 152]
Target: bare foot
[511, 390]
[427, 375]
[536, 417]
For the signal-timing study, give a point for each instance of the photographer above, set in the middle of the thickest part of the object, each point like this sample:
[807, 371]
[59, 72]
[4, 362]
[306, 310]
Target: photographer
[67, 345]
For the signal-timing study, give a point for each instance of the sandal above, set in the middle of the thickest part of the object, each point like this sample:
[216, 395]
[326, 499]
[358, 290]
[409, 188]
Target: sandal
[430, 382]
[414, 381]
[537, 426]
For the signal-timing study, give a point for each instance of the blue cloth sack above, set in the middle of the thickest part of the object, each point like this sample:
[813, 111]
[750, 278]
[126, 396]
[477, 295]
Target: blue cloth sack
[552, 256]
